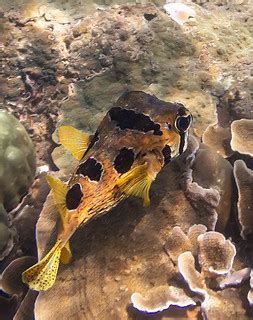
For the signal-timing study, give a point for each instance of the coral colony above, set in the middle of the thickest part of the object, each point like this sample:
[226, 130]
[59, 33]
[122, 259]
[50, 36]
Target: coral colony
[177, 241]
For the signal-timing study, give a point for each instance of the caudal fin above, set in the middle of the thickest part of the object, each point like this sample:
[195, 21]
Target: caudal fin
[42, 275]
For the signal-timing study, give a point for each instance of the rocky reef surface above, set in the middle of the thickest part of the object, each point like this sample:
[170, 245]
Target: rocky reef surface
[189, 255]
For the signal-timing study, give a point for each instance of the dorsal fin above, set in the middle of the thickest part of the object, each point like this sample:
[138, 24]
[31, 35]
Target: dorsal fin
[74, 140]
[59, 190]
[137, 182]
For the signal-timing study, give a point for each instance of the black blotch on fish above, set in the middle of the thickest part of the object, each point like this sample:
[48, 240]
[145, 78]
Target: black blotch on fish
[91, 169]
[166, 154]
[128, 119]
[124, 160]
[149, 16]
[182, 142]
[182, 111]
[74, 196]
[94, 139]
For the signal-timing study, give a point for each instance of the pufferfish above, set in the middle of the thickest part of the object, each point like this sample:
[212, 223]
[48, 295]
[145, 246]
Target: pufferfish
[139, 135]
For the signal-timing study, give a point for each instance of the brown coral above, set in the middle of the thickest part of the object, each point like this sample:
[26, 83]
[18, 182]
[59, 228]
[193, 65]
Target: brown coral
[244, 182]
[208, 185]
[216, 254]
[250, 294]
[11, 277]
[218, 139]
[161, 298]
[242, 136]
[194, 279]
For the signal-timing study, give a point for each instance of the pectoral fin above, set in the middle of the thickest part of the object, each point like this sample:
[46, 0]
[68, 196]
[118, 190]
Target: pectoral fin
[59, 190]
[74, 140]
[137, 182]
[66, 254]
[42, 275]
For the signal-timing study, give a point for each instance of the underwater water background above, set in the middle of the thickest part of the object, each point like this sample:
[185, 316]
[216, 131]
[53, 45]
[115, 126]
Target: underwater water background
[187, 255]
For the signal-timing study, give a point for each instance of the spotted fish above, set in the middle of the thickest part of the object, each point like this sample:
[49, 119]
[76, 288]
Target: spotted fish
[138, 136]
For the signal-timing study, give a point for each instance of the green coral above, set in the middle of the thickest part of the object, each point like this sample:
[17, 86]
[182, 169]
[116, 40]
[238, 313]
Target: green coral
[17, 167]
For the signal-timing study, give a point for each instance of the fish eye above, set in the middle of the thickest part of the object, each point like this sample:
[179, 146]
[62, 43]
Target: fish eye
[183, 123]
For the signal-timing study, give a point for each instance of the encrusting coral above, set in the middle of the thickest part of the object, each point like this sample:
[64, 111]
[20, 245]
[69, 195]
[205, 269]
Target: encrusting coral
[242, 136]
[218, 139]
[208, 186]
[215, 256]
[161, 298]
[244, 182]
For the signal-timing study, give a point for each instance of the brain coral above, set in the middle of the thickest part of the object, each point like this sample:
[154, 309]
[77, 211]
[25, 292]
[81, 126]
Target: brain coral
[17, 170]
[17, 160]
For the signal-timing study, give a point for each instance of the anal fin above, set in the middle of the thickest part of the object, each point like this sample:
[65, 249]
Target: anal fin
[66, 254]
[74, 140]
[42, 275]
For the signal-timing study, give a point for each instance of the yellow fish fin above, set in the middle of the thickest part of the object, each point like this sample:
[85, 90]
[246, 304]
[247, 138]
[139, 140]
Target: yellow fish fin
[42, 275]
[74, 140]
[137, 182]
[66, 254]
[59, 190]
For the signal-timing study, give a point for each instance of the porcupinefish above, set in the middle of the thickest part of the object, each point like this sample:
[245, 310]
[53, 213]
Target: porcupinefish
[138, 136]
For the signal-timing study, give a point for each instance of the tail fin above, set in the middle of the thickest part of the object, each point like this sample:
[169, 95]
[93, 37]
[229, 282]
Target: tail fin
[42, 275]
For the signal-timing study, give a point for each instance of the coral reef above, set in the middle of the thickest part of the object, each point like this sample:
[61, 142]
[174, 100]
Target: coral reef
[218, 139]
[21, 221]
[129, 237]
[17, 160]
[242, 136]
[161, 298]
[17, 170]
[244, 181]
[188, 255]
[215, 257]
